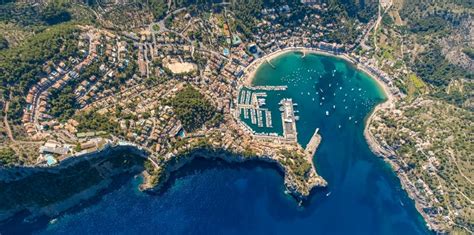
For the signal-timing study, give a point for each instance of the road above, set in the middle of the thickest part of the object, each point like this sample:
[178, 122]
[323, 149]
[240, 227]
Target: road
[382, 5]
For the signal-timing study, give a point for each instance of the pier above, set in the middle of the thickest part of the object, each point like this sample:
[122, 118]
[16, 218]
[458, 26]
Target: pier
[268, 119]
[288, 119]
[253, 117]
[246, 113]
[242, 97]
[259, 118]
[248, 96]
[270, 63]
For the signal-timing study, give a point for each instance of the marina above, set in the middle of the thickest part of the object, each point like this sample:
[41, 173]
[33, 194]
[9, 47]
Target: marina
[251, 103]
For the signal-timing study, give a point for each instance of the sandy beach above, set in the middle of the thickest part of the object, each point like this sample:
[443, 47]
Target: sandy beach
[249, 74]
[251, 69]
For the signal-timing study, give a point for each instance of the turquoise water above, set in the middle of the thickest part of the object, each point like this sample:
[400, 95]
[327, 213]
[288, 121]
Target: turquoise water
[363, 197]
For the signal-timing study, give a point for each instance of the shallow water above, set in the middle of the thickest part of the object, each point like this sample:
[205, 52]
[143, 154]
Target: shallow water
[363, 196]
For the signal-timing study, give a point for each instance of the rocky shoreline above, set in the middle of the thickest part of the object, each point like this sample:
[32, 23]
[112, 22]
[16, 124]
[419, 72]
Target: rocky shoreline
[389, 157]
[299, 190]
[293, 185]
[299, 187]
[101, 160]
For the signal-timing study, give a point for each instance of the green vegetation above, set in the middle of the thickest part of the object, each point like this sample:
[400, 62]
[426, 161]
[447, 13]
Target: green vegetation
[361, 10]
[192, 109]
[3, 43]
[155, 175]
[47, 187]
[433, 16]
[93, 121]
[433, 139]
[469, 52]
[158, 8]
[21, 66]
[7, 156]
[52, 13]
[55, 14]
[415, 86]
[246, 12]
[63, 103]
[432, 67]
[430, 24]
[297, 162]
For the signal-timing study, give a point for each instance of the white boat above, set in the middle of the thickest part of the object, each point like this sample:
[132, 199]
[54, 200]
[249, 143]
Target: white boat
[327, 113]
[327, 194]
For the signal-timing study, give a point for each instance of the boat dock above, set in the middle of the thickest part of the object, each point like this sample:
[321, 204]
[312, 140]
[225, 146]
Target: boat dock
[268, 118]
[248, 96]
[246, 113]
[253, 117]
[242, 97]
[259, 118]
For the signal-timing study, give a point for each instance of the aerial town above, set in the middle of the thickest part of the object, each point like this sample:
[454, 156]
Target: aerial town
[124, 84]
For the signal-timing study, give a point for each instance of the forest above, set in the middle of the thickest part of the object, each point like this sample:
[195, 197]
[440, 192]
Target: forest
[21, 67]
[192, 108]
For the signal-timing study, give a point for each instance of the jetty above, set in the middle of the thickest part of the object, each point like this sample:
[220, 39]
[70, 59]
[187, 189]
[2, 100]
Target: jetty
[270, 63]
[313, 144]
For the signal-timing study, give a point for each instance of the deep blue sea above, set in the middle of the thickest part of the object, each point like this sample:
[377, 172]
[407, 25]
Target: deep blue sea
[364, 196]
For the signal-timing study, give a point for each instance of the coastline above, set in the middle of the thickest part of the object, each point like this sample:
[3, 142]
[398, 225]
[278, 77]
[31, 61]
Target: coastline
[236, 158]
[387, 104]
[250, 71]
[95, 160]
[249, 74]
[300, 189]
